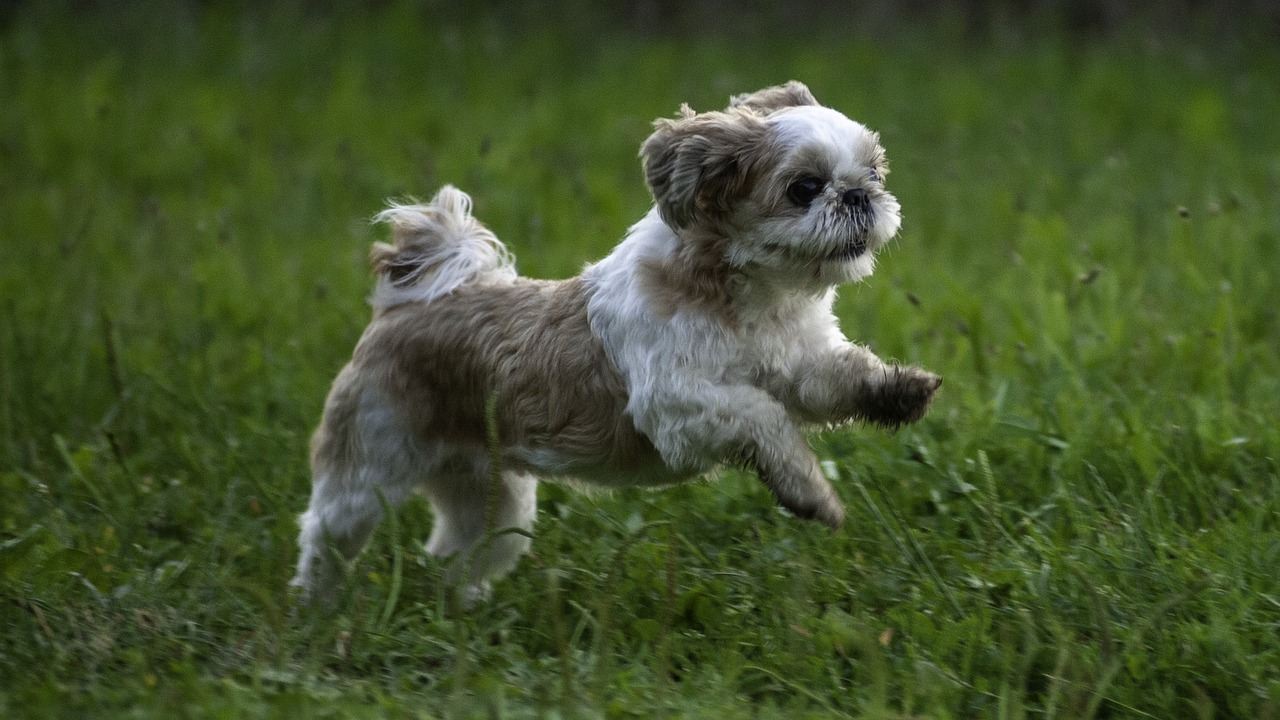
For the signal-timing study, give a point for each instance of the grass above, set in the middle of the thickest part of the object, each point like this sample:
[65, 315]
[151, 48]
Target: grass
[1085, 527]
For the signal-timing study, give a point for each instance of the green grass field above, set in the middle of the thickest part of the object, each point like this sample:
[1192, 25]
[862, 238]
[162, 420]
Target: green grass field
[1086, 526]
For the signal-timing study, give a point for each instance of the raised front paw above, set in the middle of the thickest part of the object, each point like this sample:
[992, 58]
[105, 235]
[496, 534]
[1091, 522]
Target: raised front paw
[826, 509]
[902, 396]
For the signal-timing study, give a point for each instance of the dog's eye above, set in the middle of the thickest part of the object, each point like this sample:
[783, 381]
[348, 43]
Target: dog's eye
[875, 176]
[803, 191]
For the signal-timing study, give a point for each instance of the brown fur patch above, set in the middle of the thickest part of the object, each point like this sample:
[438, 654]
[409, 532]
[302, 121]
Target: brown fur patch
[699, 278]
[530, 343]
[699, 167]
[333, 442]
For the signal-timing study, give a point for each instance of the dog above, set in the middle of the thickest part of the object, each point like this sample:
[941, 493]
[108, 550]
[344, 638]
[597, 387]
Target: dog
[705, 337]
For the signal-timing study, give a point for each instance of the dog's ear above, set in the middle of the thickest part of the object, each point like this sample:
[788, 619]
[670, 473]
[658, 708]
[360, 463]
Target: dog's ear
[774, 98]
[699, 165]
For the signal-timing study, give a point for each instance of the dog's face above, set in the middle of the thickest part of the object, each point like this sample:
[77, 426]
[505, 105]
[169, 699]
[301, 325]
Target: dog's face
[777, 185]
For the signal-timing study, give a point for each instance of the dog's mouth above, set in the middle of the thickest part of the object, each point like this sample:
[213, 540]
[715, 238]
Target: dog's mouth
[848, 251]
[852, 249]
[858, 223]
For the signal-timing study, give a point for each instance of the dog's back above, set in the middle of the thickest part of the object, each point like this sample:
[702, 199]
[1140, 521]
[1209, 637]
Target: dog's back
[559, 404]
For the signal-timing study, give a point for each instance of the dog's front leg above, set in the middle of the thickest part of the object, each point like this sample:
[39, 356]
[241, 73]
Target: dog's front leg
[851, 383]
[788, 467]
[742, 424]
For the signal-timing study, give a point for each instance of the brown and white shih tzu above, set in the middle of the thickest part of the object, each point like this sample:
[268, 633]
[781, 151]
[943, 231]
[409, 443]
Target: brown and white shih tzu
[705, 337]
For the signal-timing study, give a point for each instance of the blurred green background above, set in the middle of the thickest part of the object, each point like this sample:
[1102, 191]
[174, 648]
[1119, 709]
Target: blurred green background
[1085, 526]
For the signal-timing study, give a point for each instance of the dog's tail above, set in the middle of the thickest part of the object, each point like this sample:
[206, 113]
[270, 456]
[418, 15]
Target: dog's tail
[438, 248]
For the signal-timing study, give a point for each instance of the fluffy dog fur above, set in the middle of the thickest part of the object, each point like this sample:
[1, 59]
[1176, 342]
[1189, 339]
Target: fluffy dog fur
[705, 337]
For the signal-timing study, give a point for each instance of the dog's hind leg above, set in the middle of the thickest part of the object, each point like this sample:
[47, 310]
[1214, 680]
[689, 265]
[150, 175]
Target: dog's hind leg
[482, 524]
[362, 460]
[335, 528]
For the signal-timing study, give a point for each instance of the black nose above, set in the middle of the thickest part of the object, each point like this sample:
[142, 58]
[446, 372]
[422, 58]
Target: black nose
[857, 199]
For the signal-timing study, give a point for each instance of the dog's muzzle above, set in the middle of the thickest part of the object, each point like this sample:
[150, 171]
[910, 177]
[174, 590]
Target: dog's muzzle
[855, 203]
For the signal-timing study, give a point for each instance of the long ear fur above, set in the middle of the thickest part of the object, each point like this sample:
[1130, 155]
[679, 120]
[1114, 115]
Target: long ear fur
[775, 98]
[697, 166]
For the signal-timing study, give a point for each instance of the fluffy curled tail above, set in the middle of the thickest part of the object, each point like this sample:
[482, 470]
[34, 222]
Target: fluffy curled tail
[438, 247]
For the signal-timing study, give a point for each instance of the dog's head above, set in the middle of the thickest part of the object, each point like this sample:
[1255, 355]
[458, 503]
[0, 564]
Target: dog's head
[777, 184]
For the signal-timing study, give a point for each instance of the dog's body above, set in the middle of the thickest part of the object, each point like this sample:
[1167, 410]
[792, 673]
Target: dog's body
[705, 337]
